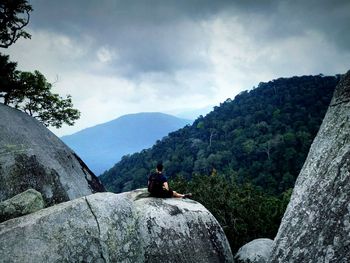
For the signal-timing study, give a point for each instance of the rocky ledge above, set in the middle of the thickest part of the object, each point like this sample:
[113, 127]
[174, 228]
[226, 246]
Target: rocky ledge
[106, 227]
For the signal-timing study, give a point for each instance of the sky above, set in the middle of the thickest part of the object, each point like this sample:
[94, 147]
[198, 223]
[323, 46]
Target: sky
[180, 57]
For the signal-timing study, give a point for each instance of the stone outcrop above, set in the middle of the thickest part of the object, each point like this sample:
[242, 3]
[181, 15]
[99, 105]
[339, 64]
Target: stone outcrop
[33, 157]
[24, 203]
[106, 227]
[316, 225]
[256, 251]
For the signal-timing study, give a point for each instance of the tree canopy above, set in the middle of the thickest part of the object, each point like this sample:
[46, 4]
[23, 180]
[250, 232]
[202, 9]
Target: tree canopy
[14, 16]
[29, 92]
[8, 77]
[35, 98]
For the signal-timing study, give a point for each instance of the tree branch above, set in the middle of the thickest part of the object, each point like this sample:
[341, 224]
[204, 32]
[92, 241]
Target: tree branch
[16, 31]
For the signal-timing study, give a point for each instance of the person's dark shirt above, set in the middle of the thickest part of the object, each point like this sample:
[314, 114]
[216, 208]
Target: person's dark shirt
[156, 186]
[161, 177]
[156, 181]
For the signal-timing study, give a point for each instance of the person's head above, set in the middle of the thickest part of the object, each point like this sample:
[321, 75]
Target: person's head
[159, 167]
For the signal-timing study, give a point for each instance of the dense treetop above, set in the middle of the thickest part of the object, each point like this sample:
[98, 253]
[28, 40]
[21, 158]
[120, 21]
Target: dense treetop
[262, 136]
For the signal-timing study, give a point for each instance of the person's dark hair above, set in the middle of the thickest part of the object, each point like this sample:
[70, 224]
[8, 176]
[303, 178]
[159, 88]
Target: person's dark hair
[160, 167]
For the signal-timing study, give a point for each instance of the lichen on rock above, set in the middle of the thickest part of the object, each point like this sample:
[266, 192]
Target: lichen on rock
[24, 203]
[33, 157]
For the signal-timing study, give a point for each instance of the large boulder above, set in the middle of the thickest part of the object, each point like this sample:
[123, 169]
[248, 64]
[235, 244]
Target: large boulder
[24, 203]
[256, 251]
[316, 225]
[106, 227]
[33, 157]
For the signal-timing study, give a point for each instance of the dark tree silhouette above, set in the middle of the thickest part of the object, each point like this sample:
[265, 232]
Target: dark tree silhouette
[31, 93]
[8, 77]
[14, 16]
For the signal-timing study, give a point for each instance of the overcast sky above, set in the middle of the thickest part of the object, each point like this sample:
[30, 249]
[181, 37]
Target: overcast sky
[117, 57]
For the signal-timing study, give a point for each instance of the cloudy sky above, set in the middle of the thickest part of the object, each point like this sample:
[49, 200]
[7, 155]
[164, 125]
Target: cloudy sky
[177, 56]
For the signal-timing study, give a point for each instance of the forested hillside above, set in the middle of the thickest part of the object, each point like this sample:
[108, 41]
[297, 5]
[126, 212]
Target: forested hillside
[241, 160]
[262, 136]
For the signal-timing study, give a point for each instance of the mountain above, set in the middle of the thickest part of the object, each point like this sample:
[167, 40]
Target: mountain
[103, 145]
[262, 136]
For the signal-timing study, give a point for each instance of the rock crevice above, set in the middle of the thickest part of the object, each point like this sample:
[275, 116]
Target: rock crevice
[99, 230]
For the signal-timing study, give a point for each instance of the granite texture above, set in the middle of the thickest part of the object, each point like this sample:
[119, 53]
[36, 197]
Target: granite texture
[106, 227]
[316, 224]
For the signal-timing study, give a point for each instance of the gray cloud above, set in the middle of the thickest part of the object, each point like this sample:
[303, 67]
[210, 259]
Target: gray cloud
[146, 36]
[157, 55]
[158, 35]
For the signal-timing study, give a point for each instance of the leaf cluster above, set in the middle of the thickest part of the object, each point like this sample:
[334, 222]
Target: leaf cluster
[31, 93]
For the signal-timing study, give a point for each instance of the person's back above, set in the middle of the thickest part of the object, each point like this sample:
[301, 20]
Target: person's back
[158, 185]
[155, 184]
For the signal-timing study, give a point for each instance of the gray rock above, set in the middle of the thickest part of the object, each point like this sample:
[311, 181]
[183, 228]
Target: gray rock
[316, 225]
[256, 251]
[33, 157]
[108, 227]
[24, 203]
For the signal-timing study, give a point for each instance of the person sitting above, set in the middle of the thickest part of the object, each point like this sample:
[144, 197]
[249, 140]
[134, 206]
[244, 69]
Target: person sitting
[158, 185]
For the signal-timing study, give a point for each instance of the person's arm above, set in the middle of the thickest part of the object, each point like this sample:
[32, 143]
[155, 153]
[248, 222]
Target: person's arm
[165, 185]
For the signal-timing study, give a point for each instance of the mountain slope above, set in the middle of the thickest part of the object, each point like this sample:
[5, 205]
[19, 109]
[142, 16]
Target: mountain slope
[103, 145]
[261, 136]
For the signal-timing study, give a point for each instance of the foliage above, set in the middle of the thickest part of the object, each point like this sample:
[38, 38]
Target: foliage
[31, 93]
[8, 77]
[263, 136]
[245, 212]
[14, 16]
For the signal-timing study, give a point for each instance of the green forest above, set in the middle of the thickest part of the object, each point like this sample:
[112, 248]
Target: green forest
[242, 159]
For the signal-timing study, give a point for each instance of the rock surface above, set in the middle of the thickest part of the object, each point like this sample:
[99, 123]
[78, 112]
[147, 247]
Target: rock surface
[33, 157]
[316, 225]
[24, 203]
[256, 251]
[106, 227]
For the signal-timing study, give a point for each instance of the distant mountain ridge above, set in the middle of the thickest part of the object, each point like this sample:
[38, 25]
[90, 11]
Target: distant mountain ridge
[103, 145]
